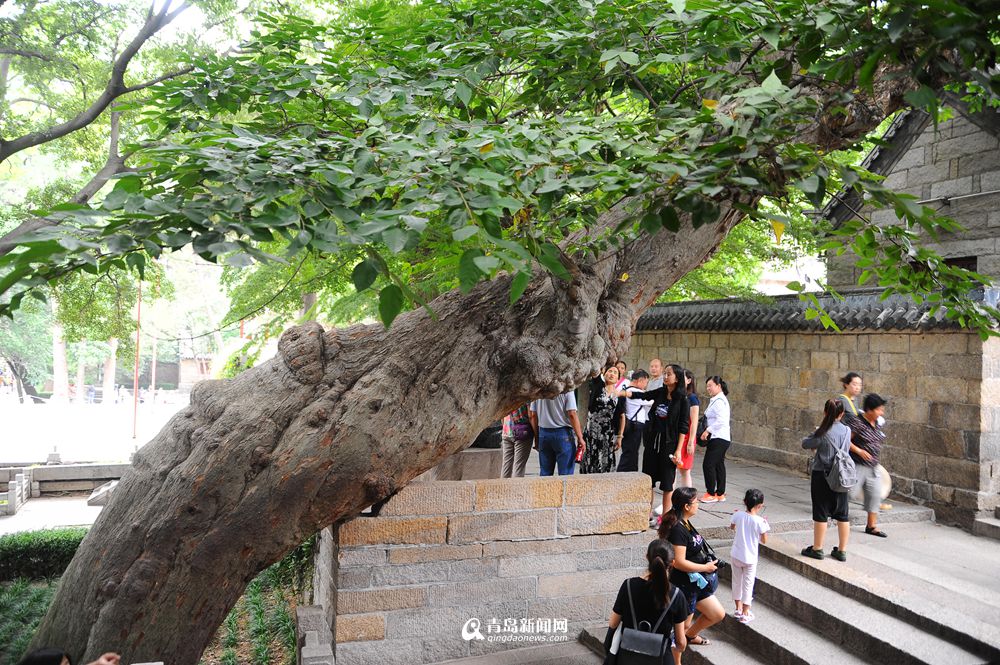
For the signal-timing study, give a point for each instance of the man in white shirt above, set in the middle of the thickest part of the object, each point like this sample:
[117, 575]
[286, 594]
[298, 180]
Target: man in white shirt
[558, 432]
[630, 416]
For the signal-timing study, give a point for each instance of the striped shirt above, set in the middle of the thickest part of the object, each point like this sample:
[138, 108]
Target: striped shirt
[867, 437]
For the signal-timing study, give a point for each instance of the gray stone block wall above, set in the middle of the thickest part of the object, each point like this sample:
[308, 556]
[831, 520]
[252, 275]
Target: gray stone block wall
[958, 159]
[943, 430]
[405, 583]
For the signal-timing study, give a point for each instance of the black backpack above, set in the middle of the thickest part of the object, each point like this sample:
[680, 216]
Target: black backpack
[642, 645]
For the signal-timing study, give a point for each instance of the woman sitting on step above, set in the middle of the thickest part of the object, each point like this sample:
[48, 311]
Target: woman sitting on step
[651, 599]
[694, 569]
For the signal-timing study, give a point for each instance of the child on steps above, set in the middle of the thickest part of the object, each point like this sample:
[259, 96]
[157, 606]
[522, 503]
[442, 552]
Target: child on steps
[751, 530]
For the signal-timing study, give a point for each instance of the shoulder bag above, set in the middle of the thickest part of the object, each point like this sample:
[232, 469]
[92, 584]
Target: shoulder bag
[642, 645]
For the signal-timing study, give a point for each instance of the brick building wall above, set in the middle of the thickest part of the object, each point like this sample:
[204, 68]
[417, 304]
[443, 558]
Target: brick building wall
[943, 416]
[957, 160]
[399, 587]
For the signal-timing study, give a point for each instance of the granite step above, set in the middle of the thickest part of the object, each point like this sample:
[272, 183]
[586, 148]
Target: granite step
[852, 623]
[723, 650]
[896, 580]
[565, 653]
[780, 639]
[988, 527]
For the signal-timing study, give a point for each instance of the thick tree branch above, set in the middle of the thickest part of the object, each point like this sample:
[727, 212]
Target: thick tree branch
[115, 88]
[25, 53]
[159, 79]
[114, 165]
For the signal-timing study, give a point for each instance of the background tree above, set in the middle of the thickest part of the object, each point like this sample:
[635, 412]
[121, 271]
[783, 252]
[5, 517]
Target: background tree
[567, 162]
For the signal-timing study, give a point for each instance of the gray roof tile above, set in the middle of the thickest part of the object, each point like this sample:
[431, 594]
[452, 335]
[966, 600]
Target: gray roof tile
[861, 309]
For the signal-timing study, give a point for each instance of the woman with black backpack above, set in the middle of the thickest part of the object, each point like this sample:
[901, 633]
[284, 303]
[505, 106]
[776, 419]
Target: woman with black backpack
[648, 615]
[831, 435]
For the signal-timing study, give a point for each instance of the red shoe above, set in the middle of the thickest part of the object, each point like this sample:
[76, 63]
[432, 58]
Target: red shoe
[708, 498]
[721, 498]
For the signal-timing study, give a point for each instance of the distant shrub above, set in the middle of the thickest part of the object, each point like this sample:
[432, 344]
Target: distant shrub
[36, 555]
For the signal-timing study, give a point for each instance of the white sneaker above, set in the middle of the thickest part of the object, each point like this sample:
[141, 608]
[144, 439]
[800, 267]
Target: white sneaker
[746, 618]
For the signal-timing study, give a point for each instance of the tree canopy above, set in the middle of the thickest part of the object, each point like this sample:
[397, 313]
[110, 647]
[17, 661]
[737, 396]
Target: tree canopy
[475, 138]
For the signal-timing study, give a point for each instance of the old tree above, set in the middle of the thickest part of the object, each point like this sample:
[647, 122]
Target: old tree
[564, 161]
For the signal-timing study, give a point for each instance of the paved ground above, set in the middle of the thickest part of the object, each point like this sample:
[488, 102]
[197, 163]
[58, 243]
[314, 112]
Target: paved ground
[50, 512]
[80, 432]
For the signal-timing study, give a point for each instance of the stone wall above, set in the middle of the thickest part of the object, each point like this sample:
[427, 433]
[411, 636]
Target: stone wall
[943, 416]
[399, 587]
[956, 160]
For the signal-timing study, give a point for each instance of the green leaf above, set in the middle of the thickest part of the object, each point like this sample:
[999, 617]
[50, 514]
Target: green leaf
[898, 24]
[390, 304]
[551, 185]
[137, 261]
[518, 285]
[772, 35]
[486, 263]
[463, 92]
[630, 57]
[313, 209]
[464, 233]
[129, 183]
[238, 260]
[549, 257]
[669, 219]
[469, 273]
[395, 239]
[364, 274]
[772, 84]
[922, 98]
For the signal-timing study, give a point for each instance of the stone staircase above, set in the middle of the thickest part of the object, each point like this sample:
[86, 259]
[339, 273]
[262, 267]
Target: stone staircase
[988, 526]
[926, 595]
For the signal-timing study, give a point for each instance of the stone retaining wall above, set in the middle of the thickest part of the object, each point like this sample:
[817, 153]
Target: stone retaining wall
[399, 587]
[943, 416]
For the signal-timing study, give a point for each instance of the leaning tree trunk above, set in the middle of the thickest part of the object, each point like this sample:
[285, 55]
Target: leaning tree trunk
[341, 419]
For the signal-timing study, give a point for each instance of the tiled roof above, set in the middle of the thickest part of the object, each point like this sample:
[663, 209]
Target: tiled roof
[861, 309]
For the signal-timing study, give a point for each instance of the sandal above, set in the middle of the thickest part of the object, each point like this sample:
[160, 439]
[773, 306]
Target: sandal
[873, 531]
[698, 640]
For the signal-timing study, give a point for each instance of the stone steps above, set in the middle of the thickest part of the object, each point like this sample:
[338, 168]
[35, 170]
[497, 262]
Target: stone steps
[925, 599]
[988, 527]
[780, 639]
[567, 653]
[723, 650]
[878, 635]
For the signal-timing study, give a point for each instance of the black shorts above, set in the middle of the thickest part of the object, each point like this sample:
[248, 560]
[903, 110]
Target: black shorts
[656, 461]
[827, 503]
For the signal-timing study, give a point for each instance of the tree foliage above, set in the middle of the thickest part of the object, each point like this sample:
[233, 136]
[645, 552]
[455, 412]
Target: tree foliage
[493, 136]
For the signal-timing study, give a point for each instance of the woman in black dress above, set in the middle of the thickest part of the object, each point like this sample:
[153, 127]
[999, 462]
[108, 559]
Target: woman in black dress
[599, 453]
[650, 598]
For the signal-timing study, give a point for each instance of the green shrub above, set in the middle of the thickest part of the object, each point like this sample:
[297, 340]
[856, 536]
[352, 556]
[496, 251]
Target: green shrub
[37, 555]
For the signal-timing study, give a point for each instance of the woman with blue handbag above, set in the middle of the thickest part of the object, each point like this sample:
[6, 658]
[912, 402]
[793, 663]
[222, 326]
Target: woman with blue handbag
[695, 565]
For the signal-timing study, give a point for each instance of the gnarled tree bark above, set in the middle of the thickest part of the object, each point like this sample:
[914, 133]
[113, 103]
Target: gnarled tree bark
[341, 419]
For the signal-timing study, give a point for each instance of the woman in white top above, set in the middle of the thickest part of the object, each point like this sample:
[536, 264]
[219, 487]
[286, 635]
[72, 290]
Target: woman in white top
[718, 437]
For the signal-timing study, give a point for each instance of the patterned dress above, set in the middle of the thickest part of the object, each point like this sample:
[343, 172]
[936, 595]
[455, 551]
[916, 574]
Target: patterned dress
[599, 456]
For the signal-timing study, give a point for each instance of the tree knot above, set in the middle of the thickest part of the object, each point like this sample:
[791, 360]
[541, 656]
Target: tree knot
[301, 348]
[378, 486]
